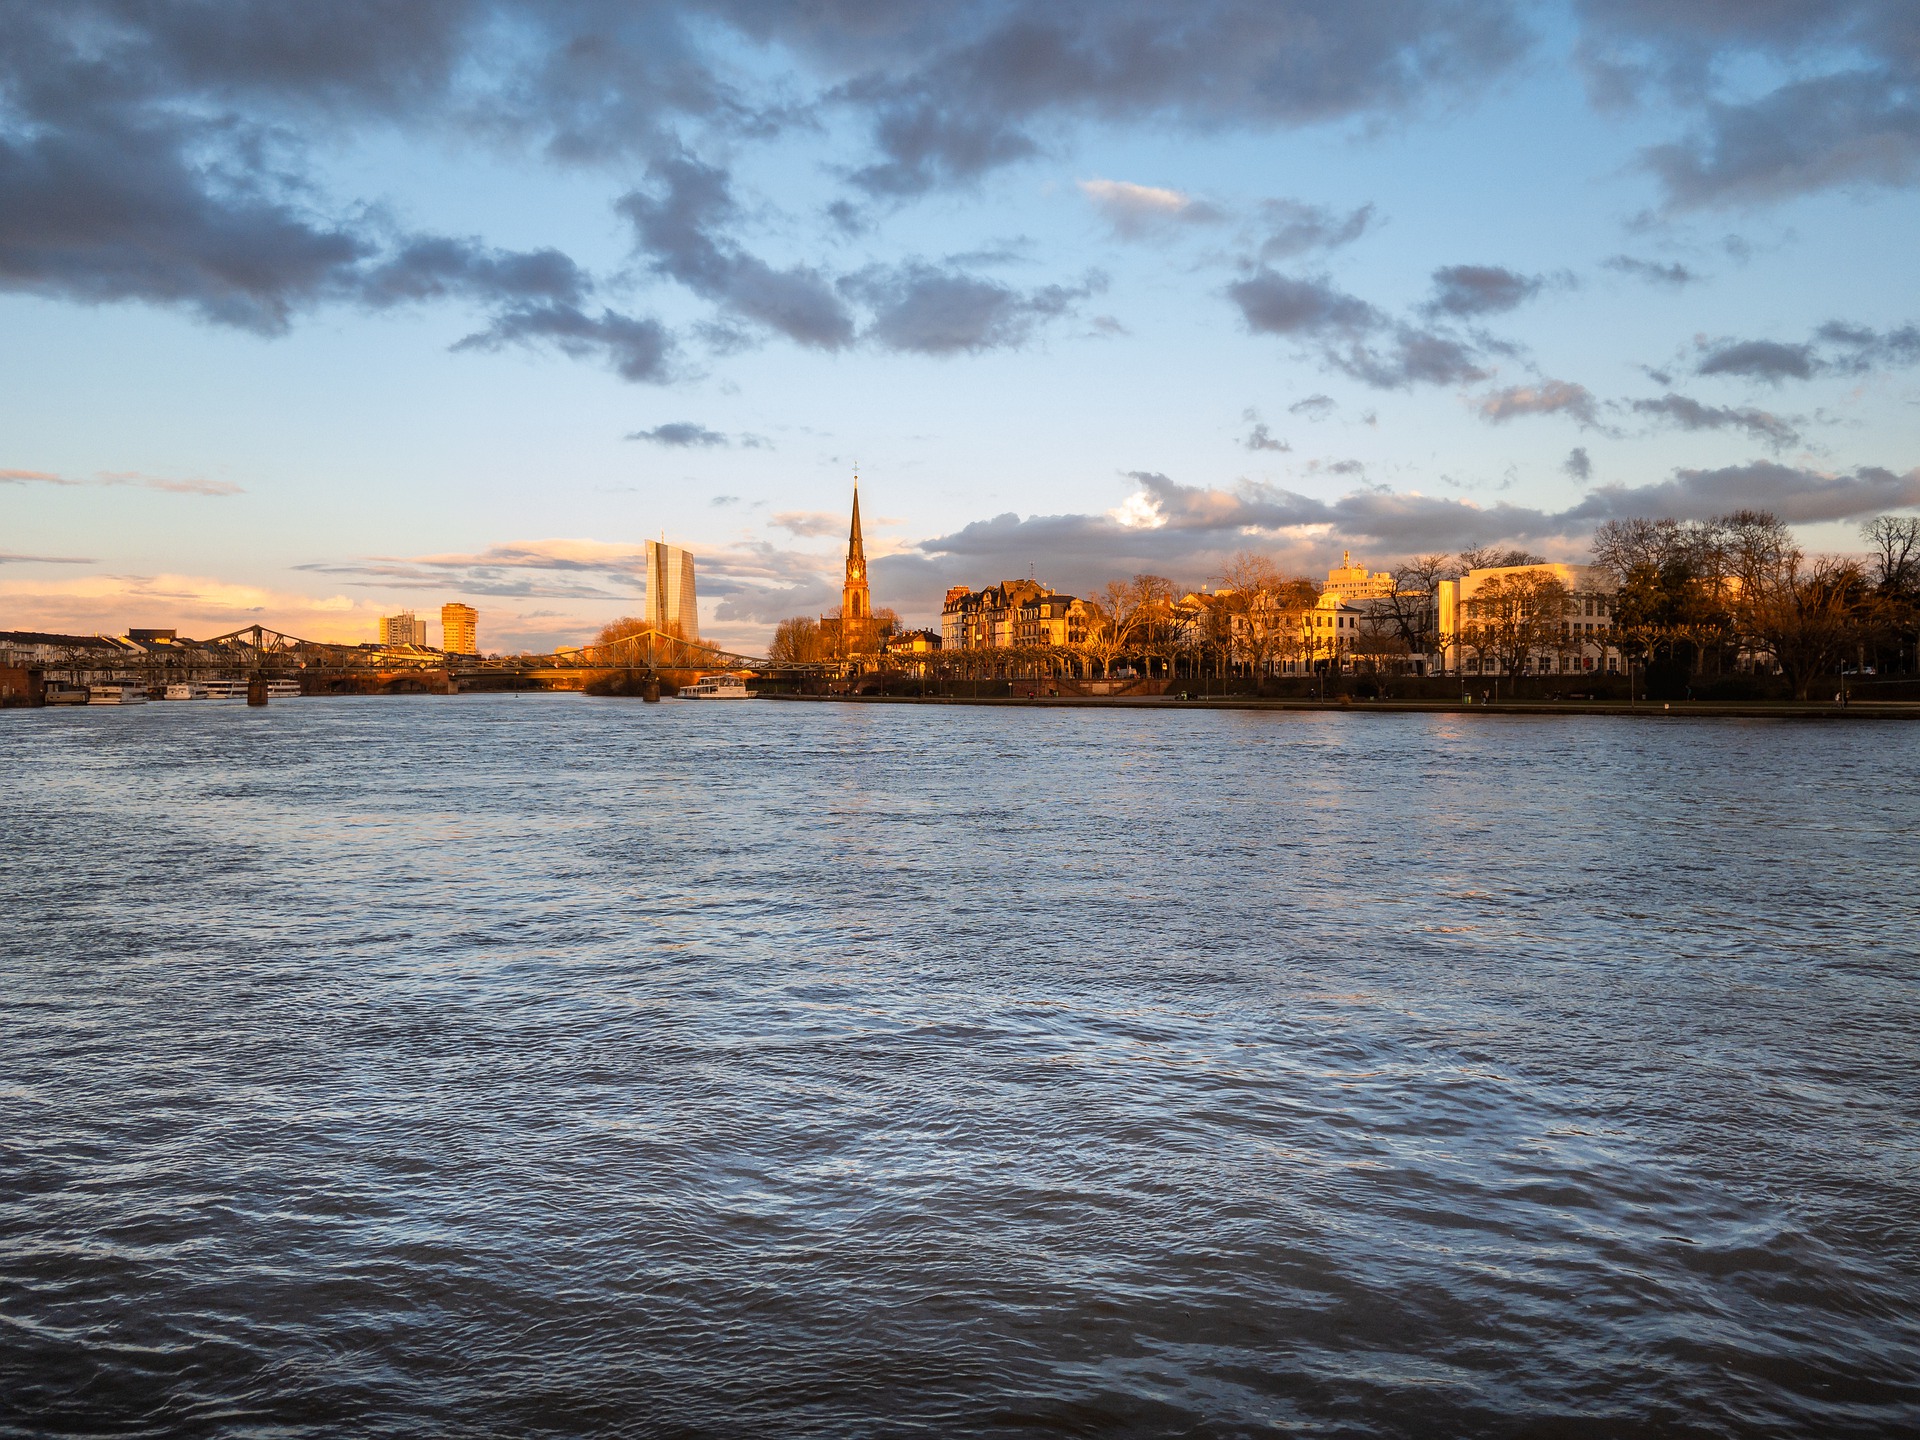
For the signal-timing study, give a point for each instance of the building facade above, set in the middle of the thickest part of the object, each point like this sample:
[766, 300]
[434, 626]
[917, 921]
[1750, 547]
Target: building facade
[673, 605]
[403, 629]
[459, 629]
[987, 619]
[1349, 581]
[1486, 628]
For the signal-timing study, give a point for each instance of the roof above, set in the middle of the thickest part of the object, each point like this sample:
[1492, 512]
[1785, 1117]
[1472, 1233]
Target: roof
[42, 637]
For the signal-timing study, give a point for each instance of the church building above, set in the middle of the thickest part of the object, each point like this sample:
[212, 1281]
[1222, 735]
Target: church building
[852, 632]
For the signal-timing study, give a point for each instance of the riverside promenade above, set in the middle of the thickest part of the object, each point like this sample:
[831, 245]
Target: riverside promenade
[1645, 709]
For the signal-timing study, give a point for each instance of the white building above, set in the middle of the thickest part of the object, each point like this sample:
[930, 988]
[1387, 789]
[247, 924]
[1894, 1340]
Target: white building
[672, 604]
[1579, 642]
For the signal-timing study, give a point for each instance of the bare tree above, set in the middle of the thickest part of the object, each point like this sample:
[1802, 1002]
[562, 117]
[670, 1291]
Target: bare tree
[1492, 557]
[1807, 616]
[1412, 605]
[795, 642]
[1896, 543]
[1512, 616]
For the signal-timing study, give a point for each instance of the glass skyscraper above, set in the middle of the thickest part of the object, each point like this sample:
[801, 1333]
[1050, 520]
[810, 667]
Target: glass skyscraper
[671, 603]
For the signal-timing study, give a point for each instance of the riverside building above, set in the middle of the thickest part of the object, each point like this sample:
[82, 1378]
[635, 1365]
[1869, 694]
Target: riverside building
[459, 629]
[673, 605]
[1577, 640]
[406, 628]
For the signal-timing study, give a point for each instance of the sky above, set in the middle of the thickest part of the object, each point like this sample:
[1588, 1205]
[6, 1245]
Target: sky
[312, 313]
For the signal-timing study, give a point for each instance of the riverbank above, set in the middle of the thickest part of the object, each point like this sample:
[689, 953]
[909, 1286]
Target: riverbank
[1652, 710]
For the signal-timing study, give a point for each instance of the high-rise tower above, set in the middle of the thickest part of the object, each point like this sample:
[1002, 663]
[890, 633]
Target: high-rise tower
[856, 600]
[672, 605]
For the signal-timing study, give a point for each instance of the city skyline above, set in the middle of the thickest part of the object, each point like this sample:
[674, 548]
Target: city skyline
[1406, 280]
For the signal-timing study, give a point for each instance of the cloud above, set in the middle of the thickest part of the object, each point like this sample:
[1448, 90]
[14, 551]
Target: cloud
[1465, 290]
[1293, 228]
[1352, 335]
[1578, 464]
[952, 100]
[1690, 414]
[638, 349]
[134, 478]
[680, 434]
[1768, 360]
[1653, 272]
[677, 226]
[1835, 348]
[10, 559]
[1184, 530]
[1261, 439]
[809, 523]
[925, 310]
[1829, 98]
[1314, 407]
[1137, 211]
[1549, 397]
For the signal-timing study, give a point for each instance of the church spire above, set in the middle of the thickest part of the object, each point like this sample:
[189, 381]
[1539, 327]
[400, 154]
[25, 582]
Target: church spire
[856, 602]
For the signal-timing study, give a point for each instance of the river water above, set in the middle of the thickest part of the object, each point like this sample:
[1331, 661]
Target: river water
[552, 1066]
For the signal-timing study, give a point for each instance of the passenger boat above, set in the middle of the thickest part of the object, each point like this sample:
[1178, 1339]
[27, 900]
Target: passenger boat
[178, 691]
[61, 693]
[717, 687]
[237, 690]
[117, 695]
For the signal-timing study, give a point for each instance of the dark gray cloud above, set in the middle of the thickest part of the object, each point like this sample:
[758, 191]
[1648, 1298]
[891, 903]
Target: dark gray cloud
[1690, 414]
[1464, 290]
[1845, 110]
[1653, 272]
[681, 435]
[1768, 360]
[1836, 348]
[1352, 335]
[1292, 228]
[1260, 438]
[679, 226]
[1314, 407]
[1578, 464]
[639, 349]
[1548, 397]
[929, 310]
[955, 90]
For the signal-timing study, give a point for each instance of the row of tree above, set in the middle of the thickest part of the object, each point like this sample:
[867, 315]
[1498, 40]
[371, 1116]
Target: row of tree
[1695, 598]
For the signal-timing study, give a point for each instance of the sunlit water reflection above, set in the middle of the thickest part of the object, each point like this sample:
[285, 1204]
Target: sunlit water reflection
[541, 1065]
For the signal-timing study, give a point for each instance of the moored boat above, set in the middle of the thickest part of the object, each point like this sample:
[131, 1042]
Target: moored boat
[717, 687]
[118, 695]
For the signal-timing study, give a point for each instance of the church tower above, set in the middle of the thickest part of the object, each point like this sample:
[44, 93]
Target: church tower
[856, 600]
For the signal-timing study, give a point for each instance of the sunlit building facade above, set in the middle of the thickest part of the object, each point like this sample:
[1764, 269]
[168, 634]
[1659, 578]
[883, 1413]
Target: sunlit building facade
[1578, 641]
[459, 629]
[406, 628]
[672, 603]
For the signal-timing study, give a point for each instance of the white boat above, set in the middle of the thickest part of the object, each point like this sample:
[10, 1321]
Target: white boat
[177, 691]
[237, 690]
[717, 687]
[118, 695]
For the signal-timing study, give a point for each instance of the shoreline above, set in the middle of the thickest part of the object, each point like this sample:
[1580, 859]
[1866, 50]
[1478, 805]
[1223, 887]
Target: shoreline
[1652, 710]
